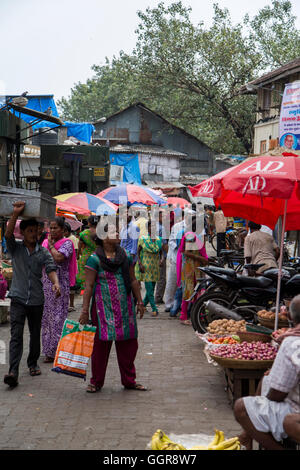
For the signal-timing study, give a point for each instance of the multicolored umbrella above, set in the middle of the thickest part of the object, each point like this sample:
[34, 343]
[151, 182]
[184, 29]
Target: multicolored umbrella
[131, 193]
[89, 202]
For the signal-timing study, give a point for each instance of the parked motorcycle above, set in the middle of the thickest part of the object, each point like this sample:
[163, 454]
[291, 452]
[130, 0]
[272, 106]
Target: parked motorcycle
[243, 295]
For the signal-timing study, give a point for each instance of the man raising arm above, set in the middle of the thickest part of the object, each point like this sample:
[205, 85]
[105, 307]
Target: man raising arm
[26, 293]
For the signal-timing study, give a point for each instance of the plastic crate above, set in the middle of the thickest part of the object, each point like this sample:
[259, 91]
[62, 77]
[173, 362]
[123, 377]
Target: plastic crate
[38, 205]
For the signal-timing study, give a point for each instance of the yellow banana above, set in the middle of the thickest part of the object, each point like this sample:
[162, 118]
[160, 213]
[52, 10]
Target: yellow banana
[155, 444]
[165, 446]
[235, 446]
[199, 448]
[225, 444]
[216, 439]
[156, 441]
[160, 441]
[180, 447]
[172, 446]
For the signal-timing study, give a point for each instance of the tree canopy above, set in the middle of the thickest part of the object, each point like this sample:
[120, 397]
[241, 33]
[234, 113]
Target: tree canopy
[191, 74]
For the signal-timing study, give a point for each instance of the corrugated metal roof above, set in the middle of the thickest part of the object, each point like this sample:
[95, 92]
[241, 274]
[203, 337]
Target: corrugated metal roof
[147, 149]
[287, 69]
[142, 106]
[192, 179]
[164, 184]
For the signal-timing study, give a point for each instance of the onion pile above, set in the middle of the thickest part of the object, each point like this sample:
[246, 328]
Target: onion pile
[257, 351]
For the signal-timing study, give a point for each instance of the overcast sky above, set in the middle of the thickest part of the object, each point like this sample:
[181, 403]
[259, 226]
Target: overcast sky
[48, 46]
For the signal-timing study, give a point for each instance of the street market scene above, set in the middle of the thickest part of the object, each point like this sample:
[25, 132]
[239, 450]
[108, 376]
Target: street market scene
[150, 231]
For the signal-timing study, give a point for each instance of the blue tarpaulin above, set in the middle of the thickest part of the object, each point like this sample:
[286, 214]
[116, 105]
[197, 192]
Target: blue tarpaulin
[130, 162]
[82, 131]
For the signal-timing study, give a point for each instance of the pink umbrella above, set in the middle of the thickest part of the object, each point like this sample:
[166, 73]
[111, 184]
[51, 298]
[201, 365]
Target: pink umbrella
[178, 201]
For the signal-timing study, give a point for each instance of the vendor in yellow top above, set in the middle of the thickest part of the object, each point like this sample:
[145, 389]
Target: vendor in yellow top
[149, 260]
[142, 222]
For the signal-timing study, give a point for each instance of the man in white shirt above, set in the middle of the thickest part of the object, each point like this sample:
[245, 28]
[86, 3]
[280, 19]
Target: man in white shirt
[262, 416]
[220, 222]
[171, 285]
[260, 248]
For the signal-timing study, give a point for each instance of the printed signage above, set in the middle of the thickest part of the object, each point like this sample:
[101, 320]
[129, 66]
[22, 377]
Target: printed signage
[99, 171]
[48, 175]
[289, 122]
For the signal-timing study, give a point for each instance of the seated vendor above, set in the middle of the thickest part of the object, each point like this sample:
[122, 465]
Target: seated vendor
[262, 416]
[291, 425]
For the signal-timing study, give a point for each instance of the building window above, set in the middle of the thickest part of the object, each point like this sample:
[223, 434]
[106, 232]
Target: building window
[266, 99]
[263, 146]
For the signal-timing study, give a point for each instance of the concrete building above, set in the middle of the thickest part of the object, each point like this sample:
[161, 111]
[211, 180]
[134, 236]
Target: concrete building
[269, 89]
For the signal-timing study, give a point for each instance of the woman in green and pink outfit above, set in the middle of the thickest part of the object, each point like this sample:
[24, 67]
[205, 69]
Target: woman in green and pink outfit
[111, 284]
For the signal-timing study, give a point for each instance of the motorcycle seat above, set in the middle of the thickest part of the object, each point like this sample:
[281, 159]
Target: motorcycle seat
[259, 281]
[227, 252]
[219, 270]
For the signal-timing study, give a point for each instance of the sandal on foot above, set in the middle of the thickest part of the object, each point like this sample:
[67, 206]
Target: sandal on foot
[34, 371]
[138, 387]
[71, 309]
[91, 388]
[155, 313]
[48, 360]
[185, 322]
[11, 380]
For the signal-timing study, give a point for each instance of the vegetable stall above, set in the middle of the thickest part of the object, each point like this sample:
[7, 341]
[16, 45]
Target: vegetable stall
[244, 352]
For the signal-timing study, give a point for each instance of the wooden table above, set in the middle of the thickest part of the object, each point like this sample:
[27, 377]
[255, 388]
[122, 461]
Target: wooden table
[242, 382]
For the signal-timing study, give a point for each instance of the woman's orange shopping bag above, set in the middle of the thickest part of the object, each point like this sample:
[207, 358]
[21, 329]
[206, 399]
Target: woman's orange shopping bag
[74, 349]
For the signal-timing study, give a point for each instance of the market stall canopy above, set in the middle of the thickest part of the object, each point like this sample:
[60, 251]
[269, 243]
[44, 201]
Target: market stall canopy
[131, 193]
[37, 114]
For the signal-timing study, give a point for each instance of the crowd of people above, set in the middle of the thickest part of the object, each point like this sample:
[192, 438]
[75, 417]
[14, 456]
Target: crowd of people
[160, 256]
[50, 266]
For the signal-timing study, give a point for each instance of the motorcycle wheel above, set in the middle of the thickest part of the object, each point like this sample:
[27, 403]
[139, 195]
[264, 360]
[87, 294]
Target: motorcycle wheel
[213, 241]
[200, 317]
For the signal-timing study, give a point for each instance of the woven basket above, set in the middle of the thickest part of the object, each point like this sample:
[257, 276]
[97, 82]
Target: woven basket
[241, 364]
[253, 337]
[271, 323]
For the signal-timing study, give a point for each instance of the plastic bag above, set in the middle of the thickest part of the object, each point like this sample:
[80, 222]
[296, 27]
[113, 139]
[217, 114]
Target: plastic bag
[74, 349]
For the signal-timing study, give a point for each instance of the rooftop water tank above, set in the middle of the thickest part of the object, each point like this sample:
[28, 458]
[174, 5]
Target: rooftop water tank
[40, 137]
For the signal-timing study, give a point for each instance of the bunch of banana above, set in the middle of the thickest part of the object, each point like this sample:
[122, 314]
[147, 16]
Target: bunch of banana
[161, 442]
[219, 443]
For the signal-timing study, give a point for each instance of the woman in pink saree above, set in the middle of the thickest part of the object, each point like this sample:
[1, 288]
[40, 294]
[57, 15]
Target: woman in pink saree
[191, 254]
[56, 309]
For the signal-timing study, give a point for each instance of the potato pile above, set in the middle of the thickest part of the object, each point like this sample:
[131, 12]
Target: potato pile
[231, 327]
[264, 314]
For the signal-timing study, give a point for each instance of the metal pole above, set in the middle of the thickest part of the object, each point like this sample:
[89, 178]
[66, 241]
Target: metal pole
[280, 266]
[17, 156]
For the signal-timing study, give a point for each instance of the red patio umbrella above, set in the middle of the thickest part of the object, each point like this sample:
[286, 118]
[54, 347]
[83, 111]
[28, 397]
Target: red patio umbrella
[260, 189]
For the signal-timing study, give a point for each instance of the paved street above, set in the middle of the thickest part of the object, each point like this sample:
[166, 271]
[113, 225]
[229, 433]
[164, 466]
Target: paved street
[53, 411]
